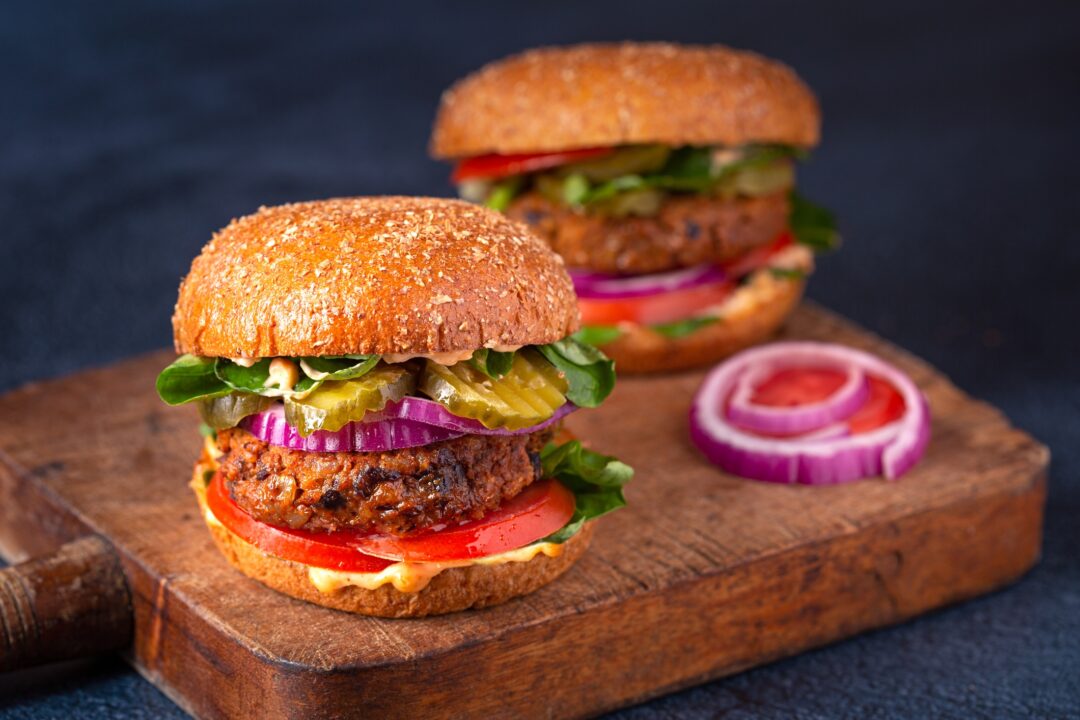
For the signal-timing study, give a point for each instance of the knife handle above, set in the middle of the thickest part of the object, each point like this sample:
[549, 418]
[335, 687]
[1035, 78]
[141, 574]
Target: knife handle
[71, 603]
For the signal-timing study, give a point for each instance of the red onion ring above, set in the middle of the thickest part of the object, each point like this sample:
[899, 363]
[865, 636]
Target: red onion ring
[848, 398]
[818, 458]
[412, 422]
[614, 287]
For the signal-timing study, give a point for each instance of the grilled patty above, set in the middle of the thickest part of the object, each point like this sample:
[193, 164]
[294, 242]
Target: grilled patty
[688, 230]
[400, 492]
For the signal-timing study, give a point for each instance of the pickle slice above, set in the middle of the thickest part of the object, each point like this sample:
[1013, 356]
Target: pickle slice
[227, 411]
[633, 160]
[759, 180]
[335, 404]
[528, 394]
[642, 203]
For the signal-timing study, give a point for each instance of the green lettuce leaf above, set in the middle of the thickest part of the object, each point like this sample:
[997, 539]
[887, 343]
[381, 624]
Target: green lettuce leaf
[688, 169]
[340, 367]
[597, 334]
[189, 378]
[682, 328]
[589, 373]
[596, 481]
[787, 273]
[813, 225]
[492, 363]
[503, 193]
[243, 379]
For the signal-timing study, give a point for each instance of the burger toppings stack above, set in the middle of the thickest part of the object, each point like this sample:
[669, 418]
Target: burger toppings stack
[665, 177]
[382, 384]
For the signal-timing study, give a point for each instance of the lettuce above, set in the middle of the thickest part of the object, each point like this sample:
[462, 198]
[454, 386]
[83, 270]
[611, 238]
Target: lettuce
[194, 378]
[589, 373]
[596, 481]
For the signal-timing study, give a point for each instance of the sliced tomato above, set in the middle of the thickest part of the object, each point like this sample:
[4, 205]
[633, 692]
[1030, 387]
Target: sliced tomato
[491, 167]
[324, 550]
[678, 304]
[885, 405]
[654, 309]
[538, 511]
[541, 509]
[792, 387]
[757, 257]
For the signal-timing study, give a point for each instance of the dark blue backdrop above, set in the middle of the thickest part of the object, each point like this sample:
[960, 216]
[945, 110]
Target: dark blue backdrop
[130, 131]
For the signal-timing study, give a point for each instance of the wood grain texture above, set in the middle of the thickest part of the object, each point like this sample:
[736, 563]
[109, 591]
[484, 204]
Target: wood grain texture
[701, 576]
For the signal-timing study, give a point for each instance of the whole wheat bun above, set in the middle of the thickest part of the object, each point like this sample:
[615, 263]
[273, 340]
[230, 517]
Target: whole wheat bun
[559, 98]
[372, 275]
[642, 350]
[454, 589]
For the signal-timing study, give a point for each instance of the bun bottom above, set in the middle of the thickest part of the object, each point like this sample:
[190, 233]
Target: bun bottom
[453, 589]
[642, 350]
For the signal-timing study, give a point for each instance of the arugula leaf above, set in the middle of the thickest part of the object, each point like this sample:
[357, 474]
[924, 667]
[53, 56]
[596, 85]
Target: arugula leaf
[588, 371]
[682, 328]
[503, 193]
[688, 169]
[245, 379]
[596, 481]
[575, 189]
[787, 273]
[492, 363]
[189, 378]
[611, 188]
[597, 334]
[813, 225]
[339, 367]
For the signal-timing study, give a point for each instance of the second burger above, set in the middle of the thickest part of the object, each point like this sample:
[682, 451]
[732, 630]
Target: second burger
[663, 174]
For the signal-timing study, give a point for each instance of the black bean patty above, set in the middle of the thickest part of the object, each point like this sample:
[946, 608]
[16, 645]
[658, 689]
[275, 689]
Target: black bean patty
[688, 230]
[400, 492]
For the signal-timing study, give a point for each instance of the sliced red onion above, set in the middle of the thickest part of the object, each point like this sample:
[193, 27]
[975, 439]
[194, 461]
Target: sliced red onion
[614, 287]
[412, 422]
[848, 398]
[890, 450]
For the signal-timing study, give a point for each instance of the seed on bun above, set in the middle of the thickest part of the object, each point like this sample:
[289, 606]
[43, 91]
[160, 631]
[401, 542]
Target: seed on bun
[559, 98]
[372, 275]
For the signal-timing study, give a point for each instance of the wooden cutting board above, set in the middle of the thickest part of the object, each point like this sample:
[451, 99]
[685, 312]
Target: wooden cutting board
[701, 576]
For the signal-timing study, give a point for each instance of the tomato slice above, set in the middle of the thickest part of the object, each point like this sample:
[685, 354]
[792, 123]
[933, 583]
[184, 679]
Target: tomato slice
[792, 387]
[490, 167]
[885, 405]
[678, 304]
[757, 257]
[654, 309]
[538, 511]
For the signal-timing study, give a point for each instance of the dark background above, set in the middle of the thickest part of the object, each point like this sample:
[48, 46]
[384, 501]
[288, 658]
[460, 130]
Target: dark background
[130, 131]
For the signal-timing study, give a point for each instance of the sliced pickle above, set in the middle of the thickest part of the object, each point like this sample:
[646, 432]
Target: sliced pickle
[527, 395]
[551, 187]
[642, 203]
[227, 411]
[335, 404]
[633, 160]
[760, 180]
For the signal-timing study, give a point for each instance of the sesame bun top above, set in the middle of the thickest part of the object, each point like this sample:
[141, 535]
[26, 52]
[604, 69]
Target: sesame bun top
[561, 98]
[372, 275]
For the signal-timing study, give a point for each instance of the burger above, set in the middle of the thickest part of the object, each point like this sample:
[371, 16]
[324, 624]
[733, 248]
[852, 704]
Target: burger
[382, 383]
[663, 174]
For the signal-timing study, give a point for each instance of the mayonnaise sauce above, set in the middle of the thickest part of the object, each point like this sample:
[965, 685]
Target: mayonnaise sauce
[414, 577]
